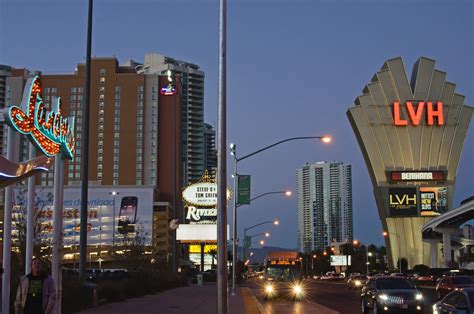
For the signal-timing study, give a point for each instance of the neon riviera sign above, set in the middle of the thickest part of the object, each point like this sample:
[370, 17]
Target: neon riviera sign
[47, 130]
[415, 114]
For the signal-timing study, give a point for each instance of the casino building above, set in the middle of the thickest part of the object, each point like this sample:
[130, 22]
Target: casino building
[411, 133]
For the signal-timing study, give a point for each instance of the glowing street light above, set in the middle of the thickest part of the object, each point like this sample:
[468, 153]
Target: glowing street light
[267, 234]
[326, 139]
[262, 242]
[288, 193]
[276, 222]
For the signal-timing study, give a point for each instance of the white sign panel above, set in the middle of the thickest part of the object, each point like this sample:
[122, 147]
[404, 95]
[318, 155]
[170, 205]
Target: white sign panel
[201, 194]
[129, 212]
[198, 233]
[340, 260]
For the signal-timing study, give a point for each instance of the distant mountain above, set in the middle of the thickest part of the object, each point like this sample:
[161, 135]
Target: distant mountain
[259, 254]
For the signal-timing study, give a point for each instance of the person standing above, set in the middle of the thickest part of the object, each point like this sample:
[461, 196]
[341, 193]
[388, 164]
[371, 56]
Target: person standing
[36, 293]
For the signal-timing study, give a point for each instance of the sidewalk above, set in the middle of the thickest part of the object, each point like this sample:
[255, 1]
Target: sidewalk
[192, 299]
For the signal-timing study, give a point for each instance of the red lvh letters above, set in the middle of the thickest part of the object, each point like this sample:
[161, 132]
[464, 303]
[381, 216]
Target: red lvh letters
[415, 114]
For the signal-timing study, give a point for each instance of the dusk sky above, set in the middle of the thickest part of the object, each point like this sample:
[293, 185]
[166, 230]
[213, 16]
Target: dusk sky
[294, 68]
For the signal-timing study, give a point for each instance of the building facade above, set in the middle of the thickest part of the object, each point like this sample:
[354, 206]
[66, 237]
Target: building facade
[192, 110]
[324, 202]
[411, 133]
[210, 153]
[142, 132]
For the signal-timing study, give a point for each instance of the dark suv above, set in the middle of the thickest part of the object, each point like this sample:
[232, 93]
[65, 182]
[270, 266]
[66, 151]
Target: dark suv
[390, 294]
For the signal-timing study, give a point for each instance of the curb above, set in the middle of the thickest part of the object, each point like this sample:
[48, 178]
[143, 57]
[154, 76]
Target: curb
[251, 304]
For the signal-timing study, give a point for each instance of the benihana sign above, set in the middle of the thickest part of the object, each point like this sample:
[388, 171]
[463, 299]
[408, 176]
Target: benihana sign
[433, 111]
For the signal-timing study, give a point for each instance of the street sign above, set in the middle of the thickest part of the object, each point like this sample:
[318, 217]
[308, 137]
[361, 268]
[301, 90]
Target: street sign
[243, 189]
[247, 241]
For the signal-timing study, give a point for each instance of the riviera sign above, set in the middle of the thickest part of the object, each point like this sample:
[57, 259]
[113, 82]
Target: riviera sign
[48, 131]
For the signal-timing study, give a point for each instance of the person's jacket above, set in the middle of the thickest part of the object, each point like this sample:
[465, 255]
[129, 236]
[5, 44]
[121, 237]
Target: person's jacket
[49, 294]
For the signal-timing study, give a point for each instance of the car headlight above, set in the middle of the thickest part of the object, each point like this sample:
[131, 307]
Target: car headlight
[269, 289]
[383, 297]
[297, 289]
[418, 296]
[358, 283]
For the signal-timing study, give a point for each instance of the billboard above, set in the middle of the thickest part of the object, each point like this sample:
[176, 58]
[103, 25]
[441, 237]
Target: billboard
[433, 201]
[340, 260]
[129, 212]
[403, 202]
[198, 233]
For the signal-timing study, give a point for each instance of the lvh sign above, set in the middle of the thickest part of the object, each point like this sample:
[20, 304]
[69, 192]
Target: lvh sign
[432, 111]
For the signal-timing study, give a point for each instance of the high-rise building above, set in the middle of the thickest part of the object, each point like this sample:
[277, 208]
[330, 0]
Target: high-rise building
[210, 153]
[192, 109]
[130, 121]
[324, 205]
[5, 71]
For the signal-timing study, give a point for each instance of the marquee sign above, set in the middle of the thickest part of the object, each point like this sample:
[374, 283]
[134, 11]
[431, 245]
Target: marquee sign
[49, 131]
[396, 176]
[415, 114]
[201, 194]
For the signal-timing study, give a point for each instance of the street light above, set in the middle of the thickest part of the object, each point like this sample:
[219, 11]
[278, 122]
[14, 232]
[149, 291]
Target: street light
[262, 242]
[386, 234]
[233, 151]
[275, 222]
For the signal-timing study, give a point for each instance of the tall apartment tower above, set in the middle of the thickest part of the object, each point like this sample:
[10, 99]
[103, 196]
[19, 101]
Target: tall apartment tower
[192, 110]
[324, 205]
[5, 71]
[210, 153]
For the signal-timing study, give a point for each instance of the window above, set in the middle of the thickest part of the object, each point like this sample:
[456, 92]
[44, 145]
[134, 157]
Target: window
[73, 97]
[46, 90]
[102, 72]
[79, 97]
[101, 105]
[102, 89]
[101, 97]
[117, 96]
[102, 80]
[117, 89]
[140, 89]
[73, 90]
[79, 90]
[54, 90]
[99, 174]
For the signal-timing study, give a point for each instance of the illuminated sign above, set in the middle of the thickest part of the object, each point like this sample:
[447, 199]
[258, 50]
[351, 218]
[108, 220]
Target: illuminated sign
[417, 176]
[196, 248]
[415, 114]
[403, 202]
[340, 260]
[196, 214]
[48, 131]
[201, 194]
[433, 201]
[168, 90]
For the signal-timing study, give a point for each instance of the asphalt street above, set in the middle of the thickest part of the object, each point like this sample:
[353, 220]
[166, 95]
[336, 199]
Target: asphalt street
[324, 297]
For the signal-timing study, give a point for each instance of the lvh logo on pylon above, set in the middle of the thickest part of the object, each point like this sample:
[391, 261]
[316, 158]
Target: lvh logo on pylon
[434, 113]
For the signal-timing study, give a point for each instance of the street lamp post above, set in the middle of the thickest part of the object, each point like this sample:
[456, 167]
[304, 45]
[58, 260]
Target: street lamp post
[233, 152]
[386, 234]
[275, 222]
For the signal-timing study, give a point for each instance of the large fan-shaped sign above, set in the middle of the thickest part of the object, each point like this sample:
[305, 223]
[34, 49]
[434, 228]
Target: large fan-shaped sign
[201, 194]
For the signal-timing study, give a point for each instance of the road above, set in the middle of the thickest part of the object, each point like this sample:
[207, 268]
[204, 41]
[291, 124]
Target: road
[325, 298]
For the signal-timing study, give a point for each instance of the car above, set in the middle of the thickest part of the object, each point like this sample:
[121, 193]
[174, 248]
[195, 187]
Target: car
[460, 301]
[382, 294]
[453, 283]
[397, 275]
[357, 281]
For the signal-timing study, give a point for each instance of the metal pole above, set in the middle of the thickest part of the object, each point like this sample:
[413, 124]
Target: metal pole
[234, 242]
[30, 216]
[57, 228]
[367, 258]
[176, 146]
[399, 255]
[222, 293]
[7, 229]
[85, 151]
